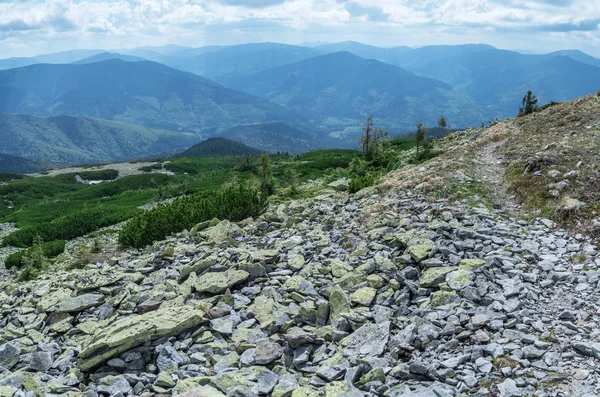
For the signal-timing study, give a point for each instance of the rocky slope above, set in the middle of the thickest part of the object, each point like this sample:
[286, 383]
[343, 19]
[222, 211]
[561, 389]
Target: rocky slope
[382, 293]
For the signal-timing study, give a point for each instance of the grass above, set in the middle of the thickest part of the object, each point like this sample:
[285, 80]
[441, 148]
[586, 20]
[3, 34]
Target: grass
[569, 136]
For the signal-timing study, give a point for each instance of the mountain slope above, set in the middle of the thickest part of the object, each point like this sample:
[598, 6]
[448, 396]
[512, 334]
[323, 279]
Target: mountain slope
[143, 93]
[342, 89]
[274, 137]
[419, 57]
[69, 139]
[578, 56]
[219, 147]
[497, 79]
[242, 60]
[387, 55]
[20, 165]
[557, 79]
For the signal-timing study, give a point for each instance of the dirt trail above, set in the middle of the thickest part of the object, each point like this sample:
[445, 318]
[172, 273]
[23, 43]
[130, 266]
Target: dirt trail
[490, 167]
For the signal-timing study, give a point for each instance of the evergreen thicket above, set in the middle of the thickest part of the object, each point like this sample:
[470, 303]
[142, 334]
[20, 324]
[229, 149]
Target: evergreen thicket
[234, 203]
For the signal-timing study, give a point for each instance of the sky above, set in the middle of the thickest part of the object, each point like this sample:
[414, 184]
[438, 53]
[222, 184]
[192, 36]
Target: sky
[31, 27]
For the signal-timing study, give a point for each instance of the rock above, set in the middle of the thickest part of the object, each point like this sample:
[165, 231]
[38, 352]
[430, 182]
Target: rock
[509, 388]
[164, 380]
[420, 252]
[219, 282]
[581, 374]
[9, 354]
[41, 361]
[221, 232]
[480, 320]
[341, 185]
[135, 330]
[338, 302]
[460, 279]
[471, 264]
[363, 296]
[80, 303]
[113, 385]
[588, 349]
[147, 306]
[266, 352]
[197, 266]
[434, 276]
[204, 391]
[369, 340]
[169, 359]
[570, 204]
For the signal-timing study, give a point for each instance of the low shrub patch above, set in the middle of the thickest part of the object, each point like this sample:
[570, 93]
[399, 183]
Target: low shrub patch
[50, 250]
[234, 204]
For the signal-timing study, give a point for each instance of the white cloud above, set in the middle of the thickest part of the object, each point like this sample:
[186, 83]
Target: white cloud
[114, 23]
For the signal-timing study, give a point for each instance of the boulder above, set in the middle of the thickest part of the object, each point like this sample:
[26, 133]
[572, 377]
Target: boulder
[80, 303]
[219, 282]
[134, 330]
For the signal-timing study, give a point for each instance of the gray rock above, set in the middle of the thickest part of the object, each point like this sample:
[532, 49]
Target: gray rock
[80, 303]
[41, 361]
[509, 388]
[113, 385]
[266, 352]
[9, 354]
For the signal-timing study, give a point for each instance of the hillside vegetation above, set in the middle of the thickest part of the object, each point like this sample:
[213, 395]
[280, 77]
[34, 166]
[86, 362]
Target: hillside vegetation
[544, 164]
[277, 137]
[77, 139]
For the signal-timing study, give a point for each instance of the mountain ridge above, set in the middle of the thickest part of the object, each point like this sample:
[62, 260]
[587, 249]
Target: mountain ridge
[143, 93]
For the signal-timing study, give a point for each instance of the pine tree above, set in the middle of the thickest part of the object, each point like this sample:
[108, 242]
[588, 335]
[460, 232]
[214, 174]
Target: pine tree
[528, 104]
[442, 123]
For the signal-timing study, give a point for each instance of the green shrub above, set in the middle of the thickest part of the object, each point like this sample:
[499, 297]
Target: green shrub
[5, 177]
[358, 182]
[50, 250]
[68, 227]
[234, 203]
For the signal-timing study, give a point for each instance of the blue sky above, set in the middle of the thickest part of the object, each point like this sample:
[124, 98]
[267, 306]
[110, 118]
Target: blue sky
[29, 27]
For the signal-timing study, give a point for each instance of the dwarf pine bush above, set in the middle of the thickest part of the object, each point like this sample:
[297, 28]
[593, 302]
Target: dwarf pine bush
[234, 203]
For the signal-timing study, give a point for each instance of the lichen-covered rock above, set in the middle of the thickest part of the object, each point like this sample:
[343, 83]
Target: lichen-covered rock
[137, 329]
[80, 303]
[363, 296]
[338, 302]
[459, 279]
[420, 252]
[219, 282]
[221, 232]
[434, 276]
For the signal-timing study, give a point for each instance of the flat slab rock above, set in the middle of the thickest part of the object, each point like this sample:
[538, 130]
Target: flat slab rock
[134, 330]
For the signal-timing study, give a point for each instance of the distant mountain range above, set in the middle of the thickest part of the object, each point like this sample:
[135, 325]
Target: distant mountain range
[341, 90]
[142, 93]
[57, 57]
[274, 97]
[77, 139]
[220, 64]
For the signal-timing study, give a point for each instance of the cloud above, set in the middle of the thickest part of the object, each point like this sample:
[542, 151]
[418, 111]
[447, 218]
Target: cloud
[111, 22]
[253, 3]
